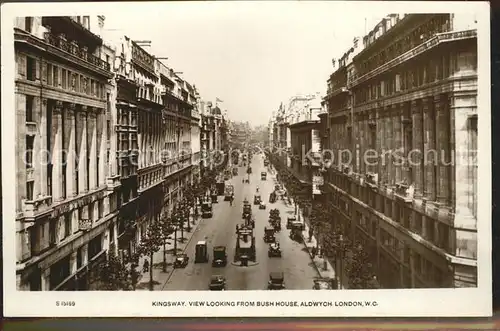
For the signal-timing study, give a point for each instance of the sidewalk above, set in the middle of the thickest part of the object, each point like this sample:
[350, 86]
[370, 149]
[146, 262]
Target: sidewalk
[160, 277]
[318, 262]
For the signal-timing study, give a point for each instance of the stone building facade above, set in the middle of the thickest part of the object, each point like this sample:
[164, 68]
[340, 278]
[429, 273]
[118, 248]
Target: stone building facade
[409, 87]
[64, 208]
[104, 146]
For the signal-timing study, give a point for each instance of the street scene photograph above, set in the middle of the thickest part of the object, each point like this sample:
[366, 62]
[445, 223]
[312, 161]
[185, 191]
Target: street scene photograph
[242, 150]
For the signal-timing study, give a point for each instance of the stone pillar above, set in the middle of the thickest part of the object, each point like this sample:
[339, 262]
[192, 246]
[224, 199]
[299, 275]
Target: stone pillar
[43, 157]
[101, 148]
[429, 149]
[72, 153]
[443, 147]
[417, 149]
[388, 146]
[394, 125]
[75, 227]
[82, 160]
[407, 141]
[363, 142]
[105, 240]
[85, 254]
[46, 280]
[380, 133]
[57, 152]
[92, 171]
[463, 107]
[356, 140]
[115, 236]
[37, 151]
[113, 165]
[73, 262]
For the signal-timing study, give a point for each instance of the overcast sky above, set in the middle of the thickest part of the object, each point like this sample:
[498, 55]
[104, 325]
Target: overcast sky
[251, 55]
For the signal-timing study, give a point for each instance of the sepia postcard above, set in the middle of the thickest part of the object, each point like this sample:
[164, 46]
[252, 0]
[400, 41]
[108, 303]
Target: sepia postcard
[246, 159]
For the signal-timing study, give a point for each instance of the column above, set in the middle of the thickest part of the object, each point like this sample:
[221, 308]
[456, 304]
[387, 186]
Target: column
[463, 106]
[416, 160]
[70, 135]
[113, 165]
[389, 146]
[396, 143]
[92, 171]
[43, 148]
[73, 262]
[355, 149]
[82, 159]
[407, 140]
[115, 236]
[57, 151]
[429, 149]
[443, 148]
[102, 139]
[85, 254]
[46, 280]
[37, 151]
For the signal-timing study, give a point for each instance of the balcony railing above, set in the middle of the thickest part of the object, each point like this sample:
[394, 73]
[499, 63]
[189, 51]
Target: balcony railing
[423, 47]
[74, 49]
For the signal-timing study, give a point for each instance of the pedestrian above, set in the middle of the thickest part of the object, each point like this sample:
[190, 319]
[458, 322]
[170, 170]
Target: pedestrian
[145, 266]
[314, 251]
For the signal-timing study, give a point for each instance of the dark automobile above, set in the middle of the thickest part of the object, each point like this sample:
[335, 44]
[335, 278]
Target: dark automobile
[262, 205]
[269, 235]
[276, 281]
[274, 250]
[257, 199]
[181, 261]
[217, 283]
[263, 175]
[220, 256]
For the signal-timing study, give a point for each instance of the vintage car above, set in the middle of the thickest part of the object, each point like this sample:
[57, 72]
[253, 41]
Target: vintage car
[289, 222]
[263, 175]
[324, 284]
[217, 283]
[247, 211]
[220, 256]
[262, 205]
[274, 250]
[272, 197]
[181, 261]
[214, 197]
[275, 223]
[257, 199]
[269, 235]
[296, 230]
[276, 281]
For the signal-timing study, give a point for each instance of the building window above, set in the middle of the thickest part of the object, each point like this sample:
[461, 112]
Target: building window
[30, 140]
[29, 108]
[29, 190]
[49, 179]
[52, 232]
[67, 224]
[86, 22]
[30, 68]
[472, 164]
[28, 21]
[64, 80]
[443, 236]
[55, 74]
[50, 72]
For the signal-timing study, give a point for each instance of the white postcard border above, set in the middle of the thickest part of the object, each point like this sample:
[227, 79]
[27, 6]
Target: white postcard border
[428, 302]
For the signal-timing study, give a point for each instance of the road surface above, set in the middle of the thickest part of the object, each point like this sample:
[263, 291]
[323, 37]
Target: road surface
[295, 262]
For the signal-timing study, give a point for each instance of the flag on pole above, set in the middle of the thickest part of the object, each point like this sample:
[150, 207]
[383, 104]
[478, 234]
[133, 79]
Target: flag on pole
[218, 100]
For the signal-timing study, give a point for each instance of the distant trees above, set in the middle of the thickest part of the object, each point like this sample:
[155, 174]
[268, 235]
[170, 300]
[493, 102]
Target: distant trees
[359, 270]
[150, 244]
[113, 274]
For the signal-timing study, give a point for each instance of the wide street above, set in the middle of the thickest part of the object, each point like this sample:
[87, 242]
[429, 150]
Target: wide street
[295, 262]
